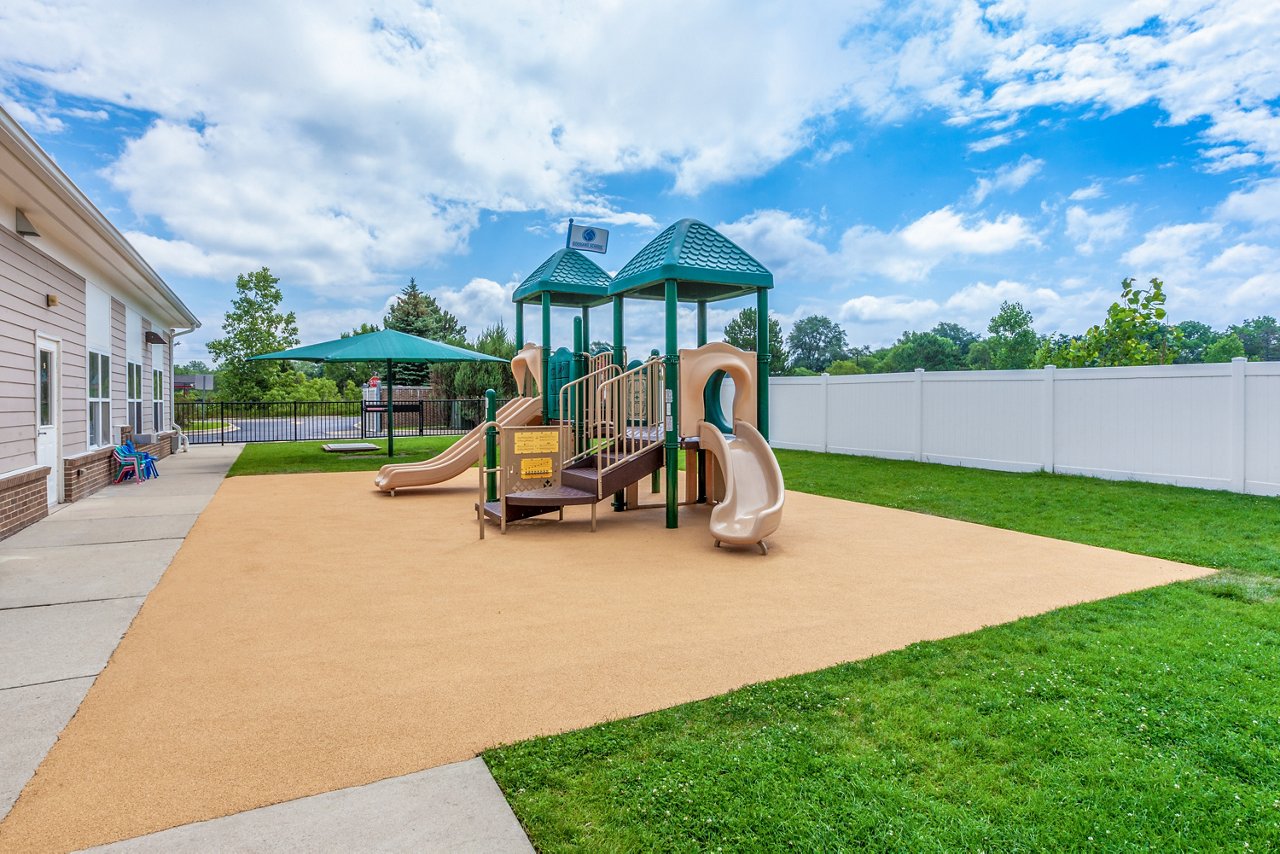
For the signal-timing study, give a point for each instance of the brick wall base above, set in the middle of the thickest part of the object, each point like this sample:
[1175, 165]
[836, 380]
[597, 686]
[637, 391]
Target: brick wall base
[23, 499]
[84, 474]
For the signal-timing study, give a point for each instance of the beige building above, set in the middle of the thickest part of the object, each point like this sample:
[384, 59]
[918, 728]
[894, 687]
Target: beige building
[86, 338]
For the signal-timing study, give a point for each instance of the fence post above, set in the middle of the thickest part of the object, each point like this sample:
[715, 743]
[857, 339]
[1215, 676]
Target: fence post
[1046, 436]
[1237, 437]
[919, 419]
[222, 422]
[826, 407]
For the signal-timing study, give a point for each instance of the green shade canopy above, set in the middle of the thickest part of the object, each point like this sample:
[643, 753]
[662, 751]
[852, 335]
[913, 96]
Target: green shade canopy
[569, 277]
[385, 346]
[706, 266]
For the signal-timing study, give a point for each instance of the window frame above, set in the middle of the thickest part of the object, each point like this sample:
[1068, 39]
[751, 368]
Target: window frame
[133, 395]
[157, 399]
[98, 426]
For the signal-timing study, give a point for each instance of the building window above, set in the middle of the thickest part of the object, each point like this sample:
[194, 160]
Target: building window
[99, 399]
[135, 396]
[157, 395]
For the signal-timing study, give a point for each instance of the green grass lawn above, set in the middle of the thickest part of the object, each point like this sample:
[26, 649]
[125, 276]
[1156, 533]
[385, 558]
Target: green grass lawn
[1150, 720]
[297, 457]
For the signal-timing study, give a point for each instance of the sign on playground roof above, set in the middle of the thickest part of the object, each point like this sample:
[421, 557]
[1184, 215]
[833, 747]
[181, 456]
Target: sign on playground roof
[588, 238]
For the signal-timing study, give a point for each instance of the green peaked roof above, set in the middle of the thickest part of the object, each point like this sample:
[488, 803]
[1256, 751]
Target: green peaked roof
[705, 264]
[387, 344]
[569, 277]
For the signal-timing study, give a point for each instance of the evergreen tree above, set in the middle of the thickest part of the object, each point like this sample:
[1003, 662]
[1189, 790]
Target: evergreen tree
[472, 379]
[254, 326]
[417, 313]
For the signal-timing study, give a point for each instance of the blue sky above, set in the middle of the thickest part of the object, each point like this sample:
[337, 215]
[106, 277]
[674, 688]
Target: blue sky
[895, 165]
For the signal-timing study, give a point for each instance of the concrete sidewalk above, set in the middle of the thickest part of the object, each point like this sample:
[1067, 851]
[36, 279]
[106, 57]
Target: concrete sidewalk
[71, 584]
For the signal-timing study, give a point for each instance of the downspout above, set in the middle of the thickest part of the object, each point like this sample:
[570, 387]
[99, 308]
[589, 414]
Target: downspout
[173, 333]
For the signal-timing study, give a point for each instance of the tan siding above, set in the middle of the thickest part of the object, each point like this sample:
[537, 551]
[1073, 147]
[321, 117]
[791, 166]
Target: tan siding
[27, 276]
[119, 373]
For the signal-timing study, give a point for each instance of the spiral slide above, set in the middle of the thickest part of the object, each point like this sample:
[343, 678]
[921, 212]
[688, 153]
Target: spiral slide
[460, 456]
[753, 489]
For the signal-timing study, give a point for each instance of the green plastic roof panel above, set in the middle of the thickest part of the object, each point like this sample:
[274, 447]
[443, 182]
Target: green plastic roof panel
[570, 277]
[706, 265]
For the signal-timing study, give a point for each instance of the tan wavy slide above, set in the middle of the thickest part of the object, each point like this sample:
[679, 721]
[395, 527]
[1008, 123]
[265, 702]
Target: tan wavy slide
[753, 489]
[460, 456]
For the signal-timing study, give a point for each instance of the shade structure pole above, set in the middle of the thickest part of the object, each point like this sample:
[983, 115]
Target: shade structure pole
[519, 325]
[391, 410]
[491, 445]
[546, 357]
[763, 358]
[586, 328]
[702, 455]
[619, 497]
[672, 408]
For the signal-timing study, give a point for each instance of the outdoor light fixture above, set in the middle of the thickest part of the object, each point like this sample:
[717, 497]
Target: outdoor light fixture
[51, 300]
[23, 225]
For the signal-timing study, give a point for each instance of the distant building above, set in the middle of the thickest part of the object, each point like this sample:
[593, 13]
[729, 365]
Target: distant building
[86, 337]
[201, 384]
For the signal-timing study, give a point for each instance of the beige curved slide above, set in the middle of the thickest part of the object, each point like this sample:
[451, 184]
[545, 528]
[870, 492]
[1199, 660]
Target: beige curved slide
[460, 456]
[753, 489]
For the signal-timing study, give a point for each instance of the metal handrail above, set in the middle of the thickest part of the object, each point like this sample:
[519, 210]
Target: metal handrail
[630, 407]
[582, 392]
[500, 471]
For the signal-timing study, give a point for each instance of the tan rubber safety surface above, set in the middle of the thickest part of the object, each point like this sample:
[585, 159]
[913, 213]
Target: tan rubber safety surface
[313, 634]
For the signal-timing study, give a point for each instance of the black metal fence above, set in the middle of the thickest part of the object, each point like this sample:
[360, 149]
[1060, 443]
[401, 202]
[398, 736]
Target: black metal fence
[298, 421]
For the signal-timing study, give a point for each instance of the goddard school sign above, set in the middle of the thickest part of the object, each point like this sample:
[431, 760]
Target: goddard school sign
[588, 238]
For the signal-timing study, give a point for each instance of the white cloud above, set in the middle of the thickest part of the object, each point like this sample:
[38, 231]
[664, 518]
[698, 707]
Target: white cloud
[1009, 178]
[979, 146]
[1092, 230]
[873, 309]
[1084, 194]
[1260, 204]
[793, 247]
[1244, 258]
[1171, 249]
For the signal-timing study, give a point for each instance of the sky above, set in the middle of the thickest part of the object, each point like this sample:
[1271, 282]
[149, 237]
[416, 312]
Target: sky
[894, 164]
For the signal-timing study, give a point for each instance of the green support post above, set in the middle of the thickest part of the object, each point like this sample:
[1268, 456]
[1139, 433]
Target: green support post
[619, 498]
[618, 358]
[702, 455]
[491, 445]
[586, 329]
[546, 357]
[762, 362]
[578, 371]
[391, 413]
[519, 325]
[672, 410]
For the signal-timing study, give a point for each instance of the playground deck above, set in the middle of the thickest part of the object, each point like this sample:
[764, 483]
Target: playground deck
[314, 634]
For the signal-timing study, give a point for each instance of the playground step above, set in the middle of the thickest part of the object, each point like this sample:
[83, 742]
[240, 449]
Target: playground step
[585, 477]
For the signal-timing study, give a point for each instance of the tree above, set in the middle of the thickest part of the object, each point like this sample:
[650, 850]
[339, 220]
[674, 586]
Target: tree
[195, 366]
[255, 325]
[741, 333]
[1226, 348]
[597, 347]
[1012, 342]
[1197, 338]
[417, 313]
[1132, 334]
[472, 379]
[347, 374]
[816, 342]
[958, 335]
[1260, 337]
[845, 367]
[922, 350]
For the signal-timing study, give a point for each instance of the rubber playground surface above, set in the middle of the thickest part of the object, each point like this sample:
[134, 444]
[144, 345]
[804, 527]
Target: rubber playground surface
[312, 634]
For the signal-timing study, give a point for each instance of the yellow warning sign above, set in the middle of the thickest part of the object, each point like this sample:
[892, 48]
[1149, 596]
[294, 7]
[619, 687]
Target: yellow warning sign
[534, 468]
[537, 442]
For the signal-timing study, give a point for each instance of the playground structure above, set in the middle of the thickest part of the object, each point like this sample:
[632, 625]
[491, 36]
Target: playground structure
[584, 427]
[608, 424]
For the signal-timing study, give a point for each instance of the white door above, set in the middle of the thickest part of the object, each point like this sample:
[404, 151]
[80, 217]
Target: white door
[48, 446]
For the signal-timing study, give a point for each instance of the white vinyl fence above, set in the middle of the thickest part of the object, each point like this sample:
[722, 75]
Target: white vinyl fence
[1211, 426]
